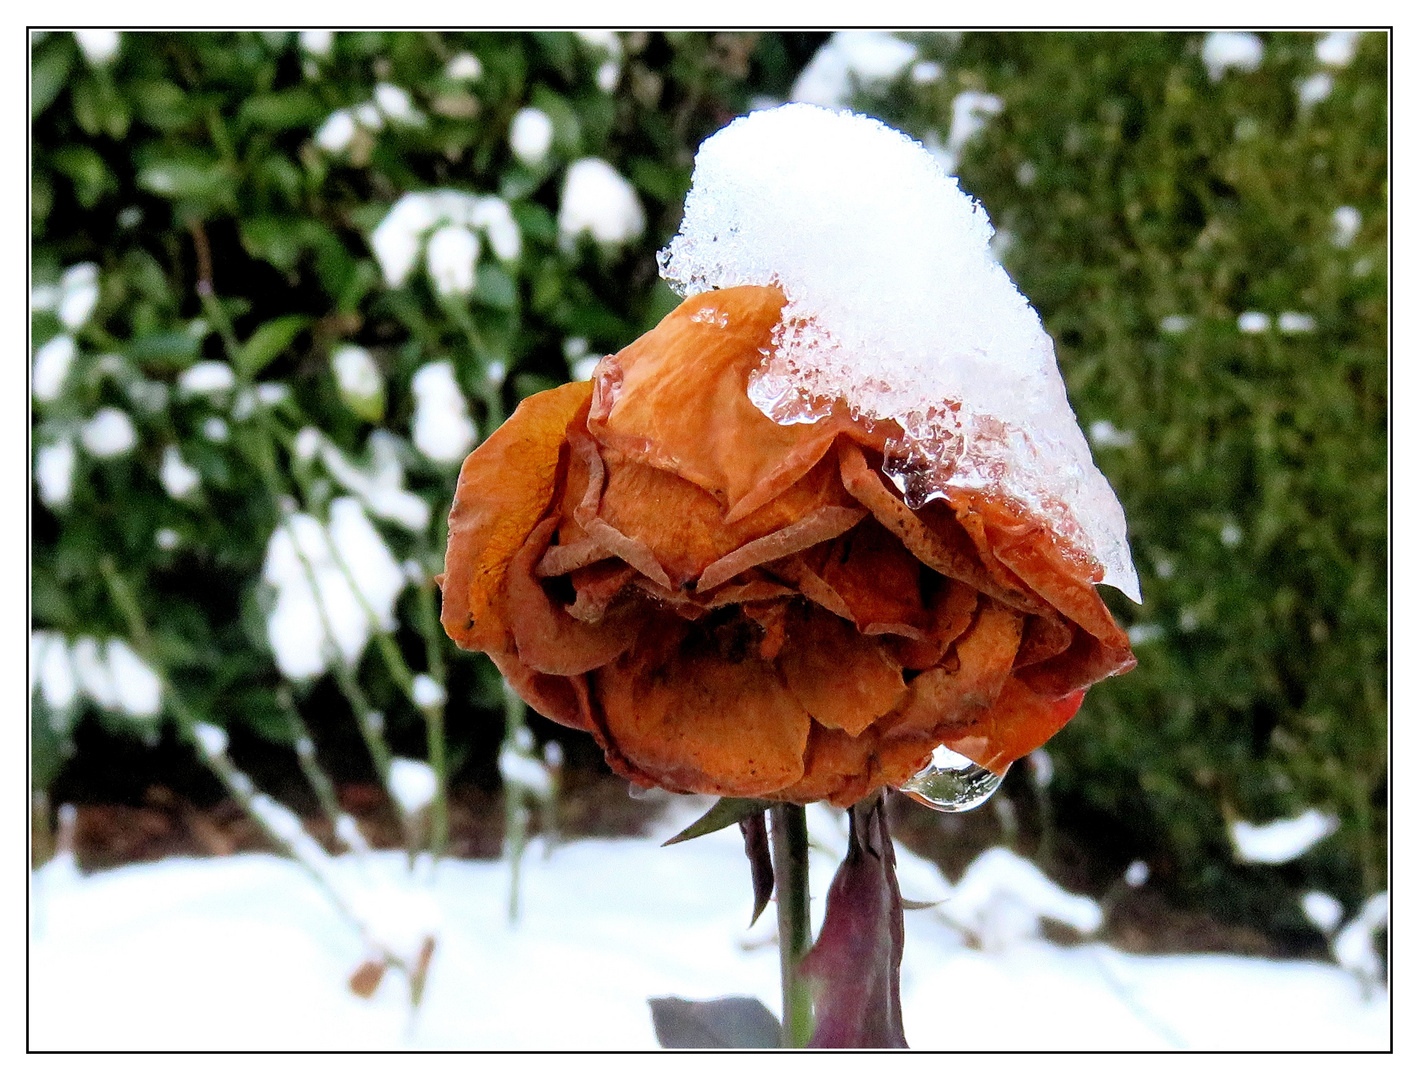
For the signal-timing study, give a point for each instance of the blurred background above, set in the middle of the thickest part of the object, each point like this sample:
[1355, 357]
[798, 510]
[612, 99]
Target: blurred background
[283, 282]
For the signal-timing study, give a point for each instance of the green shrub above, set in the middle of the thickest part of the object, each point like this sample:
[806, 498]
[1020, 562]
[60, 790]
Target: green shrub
[1144, 207]
[1149, 207]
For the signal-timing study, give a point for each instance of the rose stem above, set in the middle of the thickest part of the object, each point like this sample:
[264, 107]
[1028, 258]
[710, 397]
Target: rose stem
[789, 827]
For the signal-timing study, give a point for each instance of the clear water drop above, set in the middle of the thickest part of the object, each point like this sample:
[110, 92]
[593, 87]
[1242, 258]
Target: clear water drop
[952, 783]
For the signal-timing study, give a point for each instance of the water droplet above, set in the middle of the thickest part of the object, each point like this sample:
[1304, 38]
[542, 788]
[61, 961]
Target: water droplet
[952, 783]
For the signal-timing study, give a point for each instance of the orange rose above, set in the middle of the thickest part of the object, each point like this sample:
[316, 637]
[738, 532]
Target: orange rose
[733, 606]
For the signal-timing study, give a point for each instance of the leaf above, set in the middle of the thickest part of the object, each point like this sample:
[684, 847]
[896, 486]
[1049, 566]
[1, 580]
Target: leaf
[49, 72]
[495, 288]
[162, 104]
[173, 347]
[281, 110]
[88, 173]
[856, 965]
[721, 815]
[278, 240]
[269, 341]
[761, 863]
[728, 1023]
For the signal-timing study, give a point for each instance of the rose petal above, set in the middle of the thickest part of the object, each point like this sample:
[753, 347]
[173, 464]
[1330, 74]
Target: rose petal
[937, 551]
[554, 696]
[562, 559]
[681, 403]
[1084, 663]
[548, 638]
[1033, 555]
[503, 490]
[947, 699]
[684, 529]
[1045, 636]
[596, 586]
[843, 679]
[836, 767]
[1019, 722]
[878, 579]
[797, 571]
[953, 604]
[818, 526]
[680, 709]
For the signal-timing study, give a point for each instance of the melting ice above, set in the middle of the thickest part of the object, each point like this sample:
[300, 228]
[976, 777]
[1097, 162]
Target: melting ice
[952, 783]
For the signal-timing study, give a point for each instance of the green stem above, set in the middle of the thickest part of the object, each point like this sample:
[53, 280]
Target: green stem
[318, 779]
[789, 829]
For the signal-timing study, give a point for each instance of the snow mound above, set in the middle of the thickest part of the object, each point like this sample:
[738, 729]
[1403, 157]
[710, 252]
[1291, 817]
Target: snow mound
[1281, 841]
[895, 305]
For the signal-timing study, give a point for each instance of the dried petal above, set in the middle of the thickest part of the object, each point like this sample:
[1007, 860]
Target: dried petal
[843, 679]
[698, 714]
[682, 403]
[503, 490]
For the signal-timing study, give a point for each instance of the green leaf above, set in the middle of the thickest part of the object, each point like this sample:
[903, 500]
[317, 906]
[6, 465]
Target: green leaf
[277, 240]
[282, 110]
[176, 347]
[99, 110]
[495, 288]
[48, 72]
[162, 104]
[721, 815]
[191, 175]
[269, 341]
[87, 172]
[659, 180]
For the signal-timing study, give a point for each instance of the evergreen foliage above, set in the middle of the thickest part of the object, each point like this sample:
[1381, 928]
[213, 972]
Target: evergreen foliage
[1223, 340]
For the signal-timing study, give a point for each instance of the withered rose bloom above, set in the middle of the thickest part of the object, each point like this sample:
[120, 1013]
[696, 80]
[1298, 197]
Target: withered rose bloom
[736, 607]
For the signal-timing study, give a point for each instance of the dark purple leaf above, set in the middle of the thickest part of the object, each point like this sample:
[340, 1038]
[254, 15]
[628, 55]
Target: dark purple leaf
[731, 1023]
[761, 863]
[855, 968]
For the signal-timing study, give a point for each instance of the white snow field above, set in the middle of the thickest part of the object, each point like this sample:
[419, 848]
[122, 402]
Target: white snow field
[246, 953]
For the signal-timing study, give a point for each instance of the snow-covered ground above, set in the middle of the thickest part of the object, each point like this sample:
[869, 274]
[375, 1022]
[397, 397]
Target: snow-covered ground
[246, 952]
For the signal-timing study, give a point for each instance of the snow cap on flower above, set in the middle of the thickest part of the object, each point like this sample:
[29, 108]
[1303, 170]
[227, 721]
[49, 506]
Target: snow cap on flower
[897, 306]
[1337, 48]
[1224, 49]
[361, 384]
[337, 132]
[179, 478]
[54, 472]
[412, 784]
[207, 377]
[98, 46]
[317, 42]
[465, 67]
